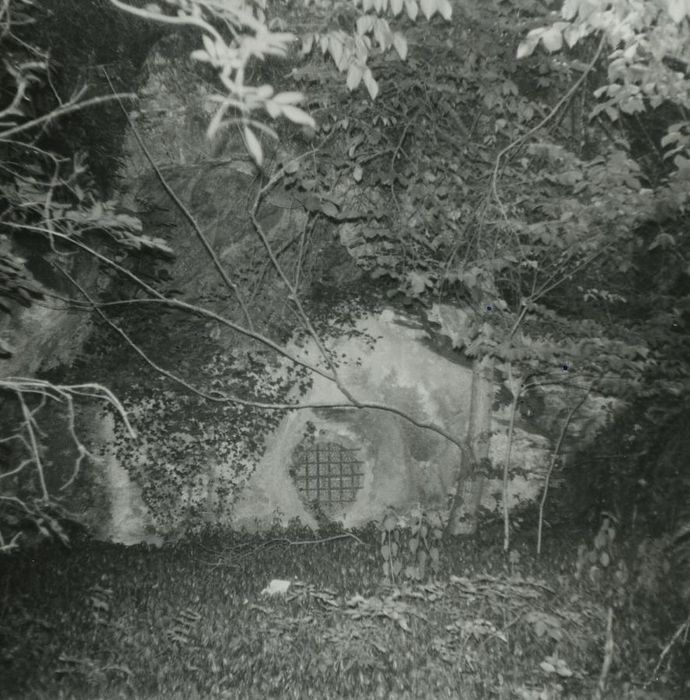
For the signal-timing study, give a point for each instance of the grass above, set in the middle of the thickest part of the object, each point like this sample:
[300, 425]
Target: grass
[190, 621]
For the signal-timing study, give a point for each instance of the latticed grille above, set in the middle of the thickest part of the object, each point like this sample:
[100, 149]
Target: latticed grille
[327, 473]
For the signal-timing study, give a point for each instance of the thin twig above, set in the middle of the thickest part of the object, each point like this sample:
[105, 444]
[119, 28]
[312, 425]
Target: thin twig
[554, 458]
[521, 139]
[30, 385]
[22, 387]
[217, 396]
[82, 451]
[68, 108]
[608, 657]
[293, 543]
[506, 468]
[683, 629]
[29, 424]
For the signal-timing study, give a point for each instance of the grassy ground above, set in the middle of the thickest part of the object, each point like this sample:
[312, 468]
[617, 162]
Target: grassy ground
[190, 621]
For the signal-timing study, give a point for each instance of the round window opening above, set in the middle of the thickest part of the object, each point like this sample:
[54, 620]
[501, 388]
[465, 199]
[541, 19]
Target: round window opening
[327, 474]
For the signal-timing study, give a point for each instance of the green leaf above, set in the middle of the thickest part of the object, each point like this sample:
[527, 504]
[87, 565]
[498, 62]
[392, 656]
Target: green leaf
[444, 9]
[253, 145]
[570, 9]
[428, 7]
[678, 10]
[563, 670]
[389, 523]
[131, 222]
[298, 116]
[412, 9]
[354, 76]
[402, 623]
[329, 209]
[312, 202]
[288, 98]
[200, 55]
[418, 282]
[383, 34]
[526, 47]
[371, 84]
[611, 112]
[264, 92]
[365, 24]
[547, 667]
[307, 44]
[552, 39]
[664, 240]
[400, 44]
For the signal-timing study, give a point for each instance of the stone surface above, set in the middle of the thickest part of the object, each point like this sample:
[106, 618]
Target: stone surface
[387, 360]
[128, 520]
[389, 363]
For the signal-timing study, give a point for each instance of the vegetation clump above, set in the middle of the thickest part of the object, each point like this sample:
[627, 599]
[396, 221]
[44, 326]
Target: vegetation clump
[196, 620]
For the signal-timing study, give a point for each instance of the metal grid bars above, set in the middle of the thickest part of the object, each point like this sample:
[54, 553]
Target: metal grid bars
[327, 473]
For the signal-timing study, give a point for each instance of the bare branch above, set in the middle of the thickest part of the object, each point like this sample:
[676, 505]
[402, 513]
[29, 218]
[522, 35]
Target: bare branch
[61, 111]
[554, 458]
[219, 397]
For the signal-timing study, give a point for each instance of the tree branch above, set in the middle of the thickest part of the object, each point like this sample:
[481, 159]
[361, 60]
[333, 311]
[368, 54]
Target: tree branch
[61, 111]
[157, 297]
[219, 397]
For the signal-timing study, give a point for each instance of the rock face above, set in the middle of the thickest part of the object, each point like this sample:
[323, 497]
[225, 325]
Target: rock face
[128, 520]
[346, 464]
[330, 461]
[49, 333]
[358, 462]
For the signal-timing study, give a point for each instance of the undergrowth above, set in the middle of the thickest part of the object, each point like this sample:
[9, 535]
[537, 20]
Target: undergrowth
[195, 620]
